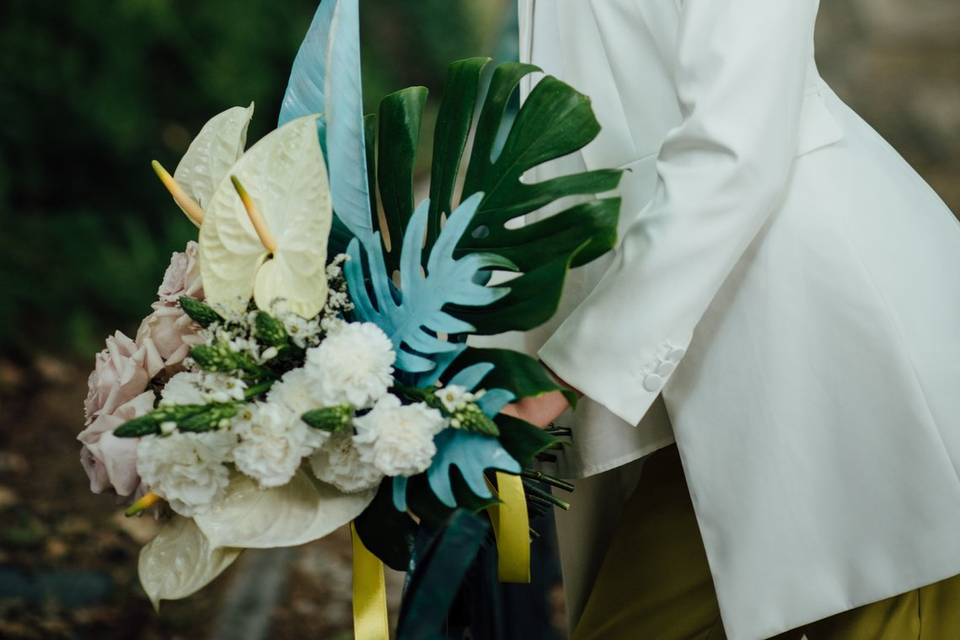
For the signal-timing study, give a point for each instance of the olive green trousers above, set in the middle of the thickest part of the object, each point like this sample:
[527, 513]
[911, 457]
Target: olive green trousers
[655, 583]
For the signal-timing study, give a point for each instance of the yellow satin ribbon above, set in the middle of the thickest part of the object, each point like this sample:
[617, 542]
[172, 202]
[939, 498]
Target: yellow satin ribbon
[370, 620]
[511, 528]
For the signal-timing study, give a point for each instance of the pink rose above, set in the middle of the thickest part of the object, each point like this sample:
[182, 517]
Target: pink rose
[169, 333]
[123, 370]
[182, 277]
[117, 392]
[118, 385]
[108, 460]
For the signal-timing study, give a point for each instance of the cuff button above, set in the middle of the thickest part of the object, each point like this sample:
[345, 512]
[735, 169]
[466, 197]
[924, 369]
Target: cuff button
[675, 355]
[665, 369]
[652, 382]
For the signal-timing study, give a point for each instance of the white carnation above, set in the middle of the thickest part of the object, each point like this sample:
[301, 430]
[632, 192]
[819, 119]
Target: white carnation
[186, 468]
[338, 463]
[353, 366]
[272, 443]
[398, 439]
[183, 388]
[298, 393]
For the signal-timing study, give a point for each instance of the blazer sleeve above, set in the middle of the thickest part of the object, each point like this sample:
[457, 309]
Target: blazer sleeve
[740, 77]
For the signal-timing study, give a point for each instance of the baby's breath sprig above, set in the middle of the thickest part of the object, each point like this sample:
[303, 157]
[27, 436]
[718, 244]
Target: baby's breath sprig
[338, 296]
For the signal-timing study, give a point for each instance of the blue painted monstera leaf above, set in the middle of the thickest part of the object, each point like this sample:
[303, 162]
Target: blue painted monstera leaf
[413, 315]
[477, 143]
[471, 454]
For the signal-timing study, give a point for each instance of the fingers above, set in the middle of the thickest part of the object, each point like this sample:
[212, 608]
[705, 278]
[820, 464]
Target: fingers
[511, 410]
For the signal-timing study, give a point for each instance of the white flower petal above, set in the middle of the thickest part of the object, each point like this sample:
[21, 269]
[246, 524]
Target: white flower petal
[286, 177]
[338, 463]
[353, 366]
[216, 148]
[186, 469]
[281, 289]
[294, 514]
[180, 561]
[397, 439]
[272, 444]
[183, 388]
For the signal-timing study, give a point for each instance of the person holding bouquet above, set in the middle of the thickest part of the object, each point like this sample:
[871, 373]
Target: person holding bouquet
[784, 306]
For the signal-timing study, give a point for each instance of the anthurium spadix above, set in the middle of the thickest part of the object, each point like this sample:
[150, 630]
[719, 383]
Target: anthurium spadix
[265, 231]
[216, 148]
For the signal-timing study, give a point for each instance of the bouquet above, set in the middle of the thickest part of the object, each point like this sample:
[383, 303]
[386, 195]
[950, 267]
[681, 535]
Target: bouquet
[306, 364]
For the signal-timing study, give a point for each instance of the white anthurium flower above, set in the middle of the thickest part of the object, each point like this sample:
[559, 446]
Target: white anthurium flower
[207, 161]
[296, 513]
[265, 231]
[216, 148]
[180, 561]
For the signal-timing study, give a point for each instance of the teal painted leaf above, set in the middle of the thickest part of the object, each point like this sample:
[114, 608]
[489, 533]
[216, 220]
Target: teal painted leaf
[427, 508]
[325, 79]
[554, 121]
[306, 87]
[512, 371]
[471, 376]
[493, 400]
[414, 316]
[471, 454]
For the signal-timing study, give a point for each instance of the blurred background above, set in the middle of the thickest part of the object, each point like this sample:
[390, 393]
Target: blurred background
[91, 91]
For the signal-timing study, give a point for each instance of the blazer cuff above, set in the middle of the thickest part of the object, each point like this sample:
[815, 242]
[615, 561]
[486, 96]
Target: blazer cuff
[626, 391]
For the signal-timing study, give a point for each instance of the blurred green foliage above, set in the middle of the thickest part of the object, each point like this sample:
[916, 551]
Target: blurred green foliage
[91, 91]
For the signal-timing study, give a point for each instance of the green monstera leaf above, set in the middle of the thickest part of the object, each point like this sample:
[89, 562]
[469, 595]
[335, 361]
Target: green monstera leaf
[477, 165]
[554, 121]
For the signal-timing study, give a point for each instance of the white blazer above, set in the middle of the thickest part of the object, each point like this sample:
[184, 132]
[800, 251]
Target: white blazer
[785, 282]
